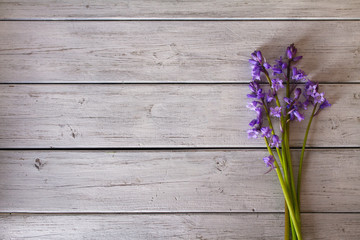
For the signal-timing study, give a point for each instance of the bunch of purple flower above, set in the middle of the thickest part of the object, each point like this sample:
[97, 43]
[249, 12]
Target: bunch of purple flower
[300, 94]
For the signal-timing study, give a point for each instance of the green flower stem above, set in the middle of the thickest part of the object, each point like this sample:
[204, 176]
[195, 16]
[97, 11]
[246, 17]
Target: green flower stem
[286, 164]
[288, 199]
[302, 155]
[287, 224]
[289, 203]
[287, 217]
[292, 184]
[272, 129]
[287, 149]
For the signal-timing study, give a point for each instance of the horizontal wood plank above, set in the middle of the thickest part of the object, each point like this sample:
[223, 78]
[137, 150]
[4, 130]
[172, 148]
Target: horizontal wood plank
[148, 115]
[163, 51]
[105, 9]
[179, 226]
[171, 181]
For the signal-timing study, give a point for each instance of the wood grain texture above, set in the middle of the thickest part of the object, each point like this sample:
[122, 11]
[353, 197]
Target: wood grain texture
[179, 226]
[171, 181]
[163, 51]
[112, 9]
[148, 115]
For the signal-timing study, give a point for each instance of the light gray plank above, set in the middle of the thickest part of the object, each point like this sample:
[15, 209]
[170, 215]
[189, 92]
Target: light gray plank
[148, 115]
[180, 226]
[171, 181]
[283, 9]
[163, 51]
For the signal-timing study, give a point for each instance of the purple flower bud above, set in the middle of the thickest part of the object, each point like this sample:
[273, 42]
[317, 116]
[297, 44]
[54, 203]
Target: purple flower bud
[298, 115]
[253, 55]
[269, 161]
[253, 122]
[291, 51]
[267, 66]
[253, 62]
[259, 56]
[266, 132]
[288, 100]
[305, 104]
[275, 141]
[325, 104]
[276, 70]
[260, 94]
[297, 58]
[254, 86]
[279, 66]
[277, 84]
[256, 71]
[276, 112]
[252, 95]
[253, 133]
[297, 93]
[270, 96]
[298, 74]
[253, 105]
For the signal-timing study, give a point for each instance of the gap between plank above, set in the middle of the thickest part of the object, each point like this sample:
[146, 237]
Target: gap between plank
[181, 19]
[162, 148]
[159, 83]
[160, 213]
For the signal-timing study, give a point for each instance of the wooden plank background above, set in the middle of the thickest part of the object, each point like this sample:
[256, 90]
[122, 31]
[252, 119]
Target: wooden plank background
[158, 9]
[171, 51]
[127, 119]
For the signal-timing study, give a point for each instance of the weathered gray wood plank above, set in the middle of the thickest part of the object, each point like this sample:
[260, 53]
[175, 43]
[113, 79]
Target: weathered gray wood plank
[148, 115]
[179, 226]
[163, 51]
[283, 9]
[171, 181]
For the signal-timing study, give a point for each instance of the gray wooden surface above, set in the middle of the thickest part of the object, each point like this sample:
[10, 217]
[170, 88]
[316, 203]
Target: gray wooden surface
[94, 145]
[171, 51]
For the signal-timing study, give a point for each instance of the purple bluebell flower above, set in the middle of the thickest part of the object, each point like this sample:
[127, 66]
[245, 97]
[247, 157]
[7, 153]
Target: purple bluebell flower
[267, 66]
[254, 86]
[319, 97]
[253, 122]
[291, 53]
[269, 161]
[253, 105]
[294, 108]
[253, 133]
[266, 132]
[295, 59]
[298, 115]
[276, 84]
[256, 72]
[257, 56]
[297, 93]
[276, 112]
[279, 67]
[259, 116]
[288, 100]
[270, 96]
[258, 65]
[275, 141]
[298, 74]
[314, 97]
[256, 90]
[325, 104]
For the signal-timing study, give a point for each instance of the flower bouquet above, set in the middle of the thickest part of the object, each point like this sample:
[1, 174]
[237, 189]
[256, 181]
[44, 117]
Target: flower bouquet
[273, 110]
